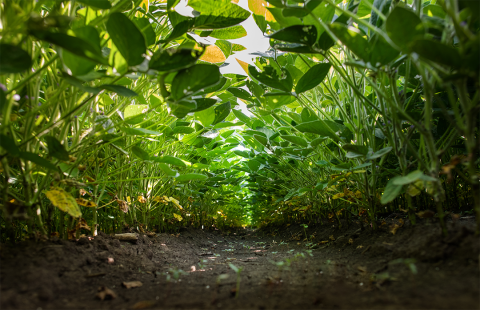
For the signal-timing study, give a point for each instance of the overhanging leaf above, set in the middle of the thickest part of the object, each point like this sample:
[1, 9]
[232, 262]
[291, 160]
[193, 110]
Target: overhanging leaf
[391, 191]
[314, 76]
[128, 39]
[191, 177]
[13, 59]
[64, 201]
[56, 149]
[194, 79]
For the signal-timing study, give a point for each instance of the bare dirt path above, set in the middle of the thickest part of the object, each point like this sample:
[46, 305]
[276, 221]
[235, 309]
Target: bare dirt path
[414, 269]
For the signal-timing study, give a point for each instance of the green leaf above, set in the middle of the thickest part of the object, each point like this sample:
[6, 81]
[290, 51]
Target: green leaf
[140, 153]
[178, 30]
[183, 130]
[120, 90]
[231, 33]
[381, 51]
[322, 127]
[285, 84]
[173, 59]
[276, 100]
[134, 113]
[9, 145]
[314, 76]
[391, 191]
[221, 112]
[40, 161]
[79, 84]
[13, 59]
[240, 93]
[168, 171]
[254, 165]
[238, 48]
[203, 104]
[191, 80]
[191, 177]
[181, 108]
[358, 149]
[217, 14]
[206, 117]
[413, 177]
[167, 159]
[97, 4]
[295, 140]
[56, 149]
[302, 34]
[242, 117]
[380, 153]
[74, 45]
[317, 141]
[437, 52]
[128, 39]
[78, 65]
[143, 24]
[409, 178]
[403, 27]
[226, 124]
[3, 98]
[140, 132]
[261, 139]
[241, 153]
[353, 40]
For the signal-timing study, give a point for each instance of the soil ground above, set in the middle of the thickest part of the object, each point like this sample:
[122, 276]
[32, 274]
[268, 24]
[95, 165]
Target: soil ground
[417, 268]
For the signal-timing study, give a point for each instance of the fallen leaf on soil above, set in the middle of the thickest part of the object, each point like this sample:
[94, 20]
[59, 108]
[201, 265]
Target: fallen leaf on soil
[105, 293]
[395, 227]
[360, 247]
[455, 217]
[144, 304]
[132, 284]
[323, 242]
[350, 241]
[425, 214]
[332, 238]
[363, 270]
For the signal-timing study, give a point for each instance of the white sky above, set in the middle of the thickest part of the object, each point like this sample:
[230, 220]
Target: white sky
[254, 41]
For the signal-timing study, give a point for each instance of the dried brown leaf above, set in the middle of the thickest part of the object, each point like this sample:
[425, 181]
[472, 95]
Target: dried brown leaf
[145, 304]
[425, 214]
[104, 293]
[132, 284]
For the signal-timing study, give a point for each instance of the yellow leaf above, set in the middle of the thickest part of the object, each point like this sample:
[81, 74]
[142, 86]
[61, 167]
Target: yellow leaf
[145, 5]
[128, 199]
[415, 188]
[213, 54]
[158, 199]
[358, 194]
[243, 64]
[339, 195]
[141, 199]
[64, 201]
[178, 217]
[259, 7]
[85, 203]
[175, 202]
